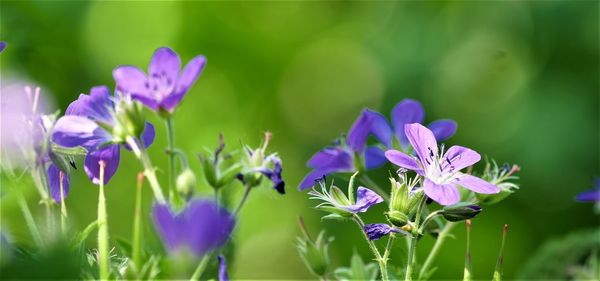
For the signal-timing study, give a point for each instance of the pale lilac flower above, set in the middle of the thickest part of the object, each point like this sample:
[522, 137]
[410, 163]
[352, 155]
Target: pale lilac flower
[200, 227]
[87, 123]
[223, 276]
[441, 172]
[377, 230]
[592, 195]
[164, 87]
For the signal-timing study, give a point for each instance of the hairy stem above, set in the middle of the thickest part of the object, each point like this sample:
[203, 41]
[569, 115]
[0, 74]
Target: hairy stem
[171, 152]
[63, 206]
[436, 247]
[103, 252]
[382, 263]
[149, 172]
[413, 242]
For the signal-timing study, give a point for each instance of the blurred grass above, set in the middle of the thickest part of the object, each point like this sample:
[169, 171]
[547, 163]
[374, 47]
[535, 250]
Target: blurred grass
[521, 78]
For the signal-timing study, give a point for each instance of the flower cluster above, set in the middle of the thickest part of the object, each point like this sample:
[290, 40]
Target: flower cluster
[426, 172]
[95, 127]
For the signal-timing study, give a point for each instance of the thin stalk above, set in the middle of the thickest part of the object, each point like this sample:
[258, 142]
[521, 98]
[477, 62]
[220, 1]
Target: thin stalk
[171, 152]
[388, 247]
[436, 247]
[374, 250]
[63, 206]
[468, 266]
[43, 187]
[136, 247]
[243, 200]
[201, 267]
[149, 172]
[413, 242]
[373, 185]
[426, 221]
[103, 251]
[35, 232]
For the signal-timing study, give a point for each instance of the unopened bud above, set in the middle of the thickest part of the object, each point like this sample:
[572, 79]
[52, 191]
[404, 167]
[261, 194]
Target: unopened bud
[397, 218]
[186, 182]
[460, 211]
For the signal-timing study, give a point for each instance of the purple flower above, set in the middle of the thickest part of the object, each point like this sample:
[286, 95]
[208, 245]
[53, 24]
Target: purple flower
[200, 227]
[2, 46]
[55, 175]
[87, 123]
[274, 174]
[365, 198]
[164, 87]
[592, 195]
[377, 230]
[223, 276]
[441, 172]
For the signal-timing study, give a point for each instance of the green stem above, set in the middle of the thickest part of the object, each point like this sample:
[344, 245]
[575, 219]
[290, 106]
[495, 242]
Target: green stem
[136, 248]
[426, 221]
[43, 187]
[171, 153]
[149, 172]
[63, 206]
[382, 263]
[201, 266]
[243, 200]
[436, 247]
[103, 251]
[373, 185]
[413, 242]
[35, 232]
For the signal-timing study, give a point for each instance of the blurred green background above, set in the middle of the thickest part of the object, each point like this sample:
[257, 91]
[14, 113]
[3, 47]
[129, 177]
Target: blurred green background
[520, 78]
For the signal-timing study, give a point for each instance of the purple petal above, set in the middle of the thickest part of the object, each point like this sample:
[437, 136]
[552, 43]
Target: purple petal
[131, 80]
[444, 194]
[377, 230]
[188, 77]
[96, 106]
[477, 185]
[223, 276]
[207, 225]
[147, 136]
[168, 227]
[329, 160]
[2, 46]
[374, 157]
[443, 129]
[423, 141]
[54, 182]
[369, 122]
[147, 100]
[311, 179]
[72, 131]
[406, 112]
[365, 198]
[111, 157]
[165, 63]
[589, 196]
[400, 159]
[459, 157]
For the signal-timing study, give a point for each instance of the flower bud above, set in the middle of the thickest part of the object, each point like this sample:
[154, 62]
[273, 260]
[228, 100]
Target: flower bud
[186, 182]
[130, 119]
[399, 199]
[460, 211]
[397, 218]
[314, 253]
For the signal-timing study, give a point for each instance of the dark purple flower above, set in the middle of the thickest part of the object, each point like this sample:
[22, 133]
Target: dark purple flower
[592, 195]
[55, 175]
[441, 172]
[164, 87]
[274, 174]
[365, 198]
[86, 124]
[377, 230]
[223, 276]
[200, 227]
[2, 46]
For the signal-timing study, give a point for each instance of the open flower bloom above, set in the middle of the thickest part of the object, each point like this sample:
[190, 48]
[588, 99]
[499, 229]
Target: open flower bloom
[164, 87]
[441, 171]
[200, 227]
[592, 195]
[341, 157]
[377, 230]
[88, 123]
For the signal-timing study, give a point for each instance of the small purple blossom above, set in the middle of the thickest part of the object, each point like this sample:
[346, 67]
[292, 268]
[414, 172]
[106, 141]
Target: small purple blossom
[377, 230]
[2, 46]
[200, 227]
[86, 124]
[365, 198]
[441, 172]
[274, 174]
[223, 276]
[592, 195]
[164, 87]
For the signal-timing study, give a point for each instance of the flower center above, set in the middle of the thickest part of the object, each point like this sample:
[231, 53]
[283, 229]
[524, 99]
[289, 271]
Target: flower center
[159, 85]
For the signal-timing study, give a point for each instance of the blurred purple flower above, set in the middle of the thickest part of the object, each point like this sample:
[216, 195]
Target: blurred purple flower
[223, 276]
[441, 172]
[2, 46]
[55, 175]
[377, 230]
[274, 174]
[164, 87]
[86, 124]
[200, 227]
[592, 195]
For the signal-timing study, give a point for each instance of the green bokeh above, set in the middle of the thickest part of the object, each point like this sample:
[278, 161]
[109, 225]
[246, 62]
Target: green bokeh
[521, 79]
